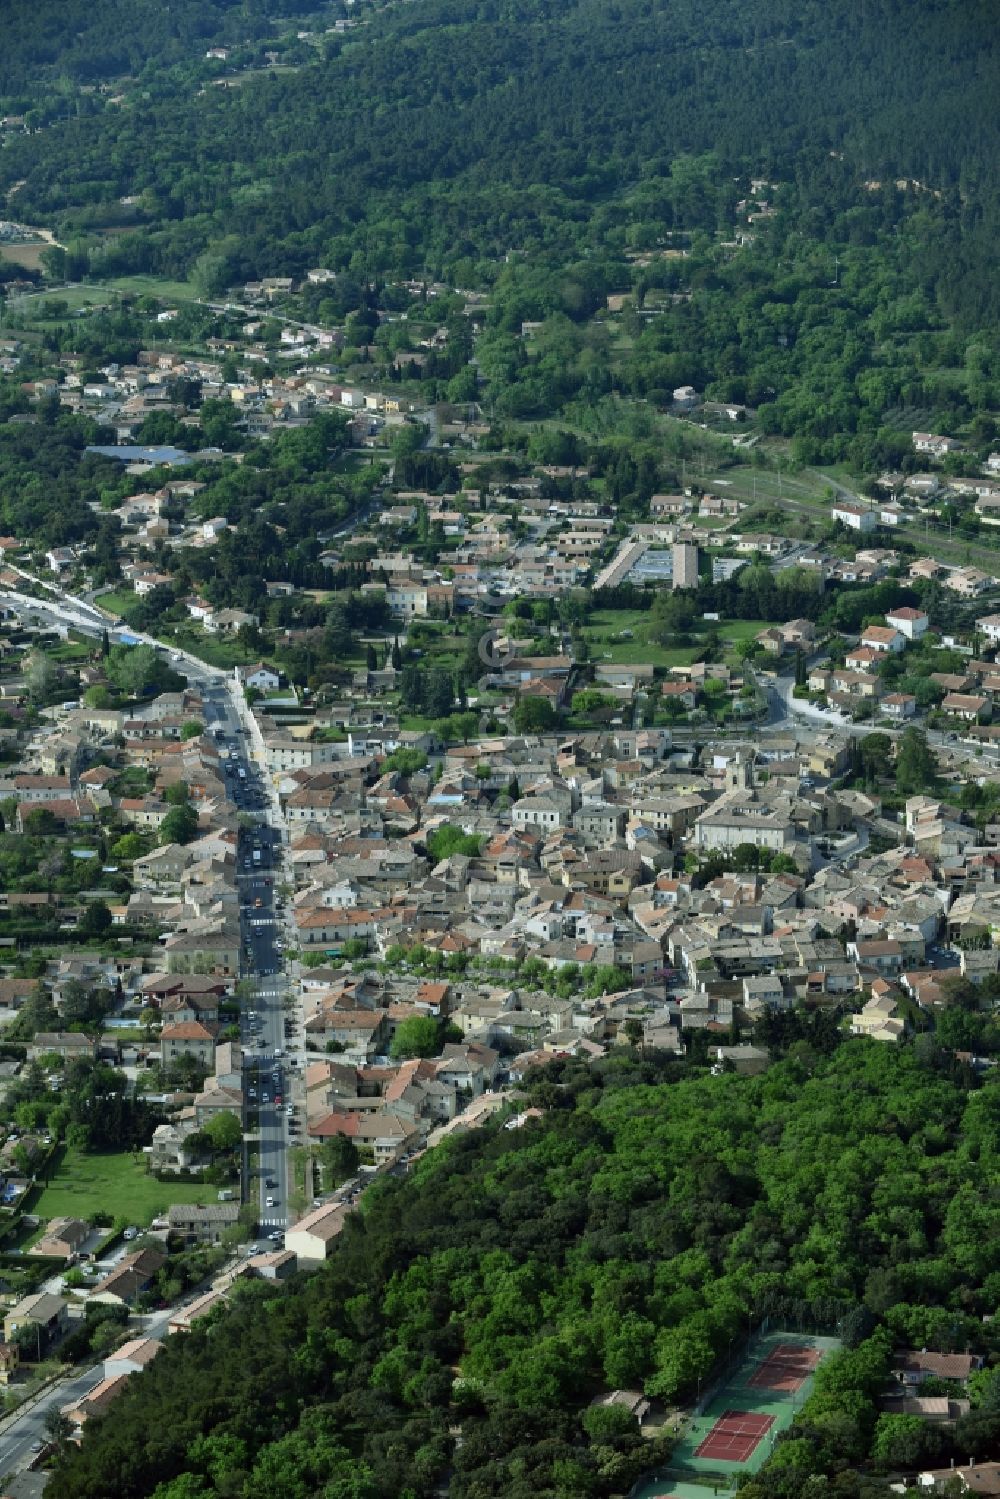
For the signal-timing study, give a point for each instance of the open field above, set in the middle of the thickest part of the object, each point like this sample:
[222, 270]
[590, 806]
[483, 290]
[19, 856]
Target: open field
[763, 484]
[73, 297]
[115, 1184]
[154, 286]
[604, 625]
[116, 601]
[28, 254]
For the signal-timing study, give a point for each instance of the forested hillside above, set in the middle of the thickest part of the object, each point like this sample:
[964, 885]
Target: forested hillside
[442, 134]
[626, 1239]
[91, 41]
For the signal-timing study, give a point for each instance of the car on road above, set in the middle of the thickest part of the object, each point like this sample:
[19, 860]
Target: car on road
[269, 1181]
[276, 1237]
[269, 1202]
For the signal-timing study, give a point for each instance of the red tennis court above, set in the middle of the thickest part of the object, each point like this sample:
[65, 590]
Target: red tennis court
[787, 1367]
[734, 1436]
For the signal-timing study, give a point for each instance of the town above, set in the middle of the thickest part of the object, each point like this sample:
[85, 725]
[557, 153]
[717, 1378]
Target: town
[295, 891]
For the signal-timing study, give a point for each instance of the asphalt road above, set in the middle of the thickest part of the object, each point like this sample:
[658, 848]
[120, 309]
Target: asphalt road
[267, 1070]
[23, 1435]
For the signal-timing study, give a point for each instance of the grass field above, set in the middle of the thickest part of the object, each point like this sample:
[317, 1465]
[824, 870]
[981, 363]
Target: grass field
[117, 601]
[604, 628]
[155, 286]
[115, 1184]
[74, 297]
[742, 629]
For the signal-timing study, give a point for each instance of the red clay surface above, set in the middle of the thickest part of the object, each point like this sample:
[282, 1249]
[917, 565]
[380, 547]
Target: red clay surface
[734, 1436]
[787, 1367]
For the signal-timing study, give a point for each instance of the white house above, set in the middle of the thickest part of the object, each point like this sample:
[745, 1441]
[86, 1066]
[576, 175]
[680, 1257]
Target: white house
[312, 1236]
[989, 626]
[885, 641]
[260, 676]
[933, 442]
[912, 623]
[856, 517]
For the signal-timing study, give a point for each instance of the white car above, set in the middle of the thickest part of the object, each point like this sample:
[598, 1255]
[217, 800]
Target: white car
[269, 1202]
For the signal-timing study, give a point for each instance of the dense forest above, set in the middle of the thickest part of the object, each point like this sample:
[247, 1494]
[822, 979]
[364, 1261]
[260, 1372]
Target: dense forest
[76, 43]
[624, 1239]
[445, 135]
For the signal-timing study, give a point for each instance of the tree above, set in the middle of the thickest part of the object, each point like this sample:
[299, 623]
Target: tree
[535, 715]
[406, 761]
[128, 847]
[192, 729]
[134, 669]
[58, 1426]
[448, 839]
[96, 920]
[40, 675]
[179, 826]
[876, 756]
[41, 823]
[916, 765]
[224, 1131]
[339, 1158]
[904, 1441]
[418, 1036]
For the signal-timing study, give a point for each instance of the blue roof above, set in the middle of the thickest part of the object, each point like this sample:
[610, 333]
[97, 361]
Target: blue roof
[125, 637]
[127, 454]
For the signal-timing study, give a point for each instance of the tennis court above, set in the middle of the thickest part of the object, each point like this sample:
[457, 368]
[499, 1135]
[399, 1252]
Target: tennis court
[734, 1427]
[734, 1436]
[787, 1367]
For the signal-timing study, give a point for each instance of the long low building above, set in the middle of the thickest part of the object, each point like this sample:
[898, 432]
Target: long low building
[313, 1235]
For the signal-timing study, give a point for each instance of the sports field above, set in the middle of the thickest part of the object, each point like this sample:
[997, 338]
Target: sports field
[739, 1424]
[734, 1436]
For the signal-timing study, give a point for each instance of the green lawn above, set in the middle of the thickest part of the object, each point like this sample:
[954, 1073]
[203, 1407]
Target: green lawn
[115, 1184]
[116, 602]
[155, 286]
[743, 629]
[634, 652]
[74, 297]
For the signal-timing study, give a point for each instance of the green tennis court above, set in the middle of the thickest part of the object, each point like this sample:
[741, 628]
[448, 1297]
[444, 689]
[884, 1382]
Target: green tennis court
[735, 1429]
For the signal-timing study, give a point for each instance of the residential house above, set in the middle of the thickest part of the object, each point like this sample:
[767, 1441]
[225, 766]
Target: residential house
[63, 1238]
[899, 705]
[131, 1278]
[202, 1223]
[912, 623]
[310, 1239]
[45, 1314]
[855, 517]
